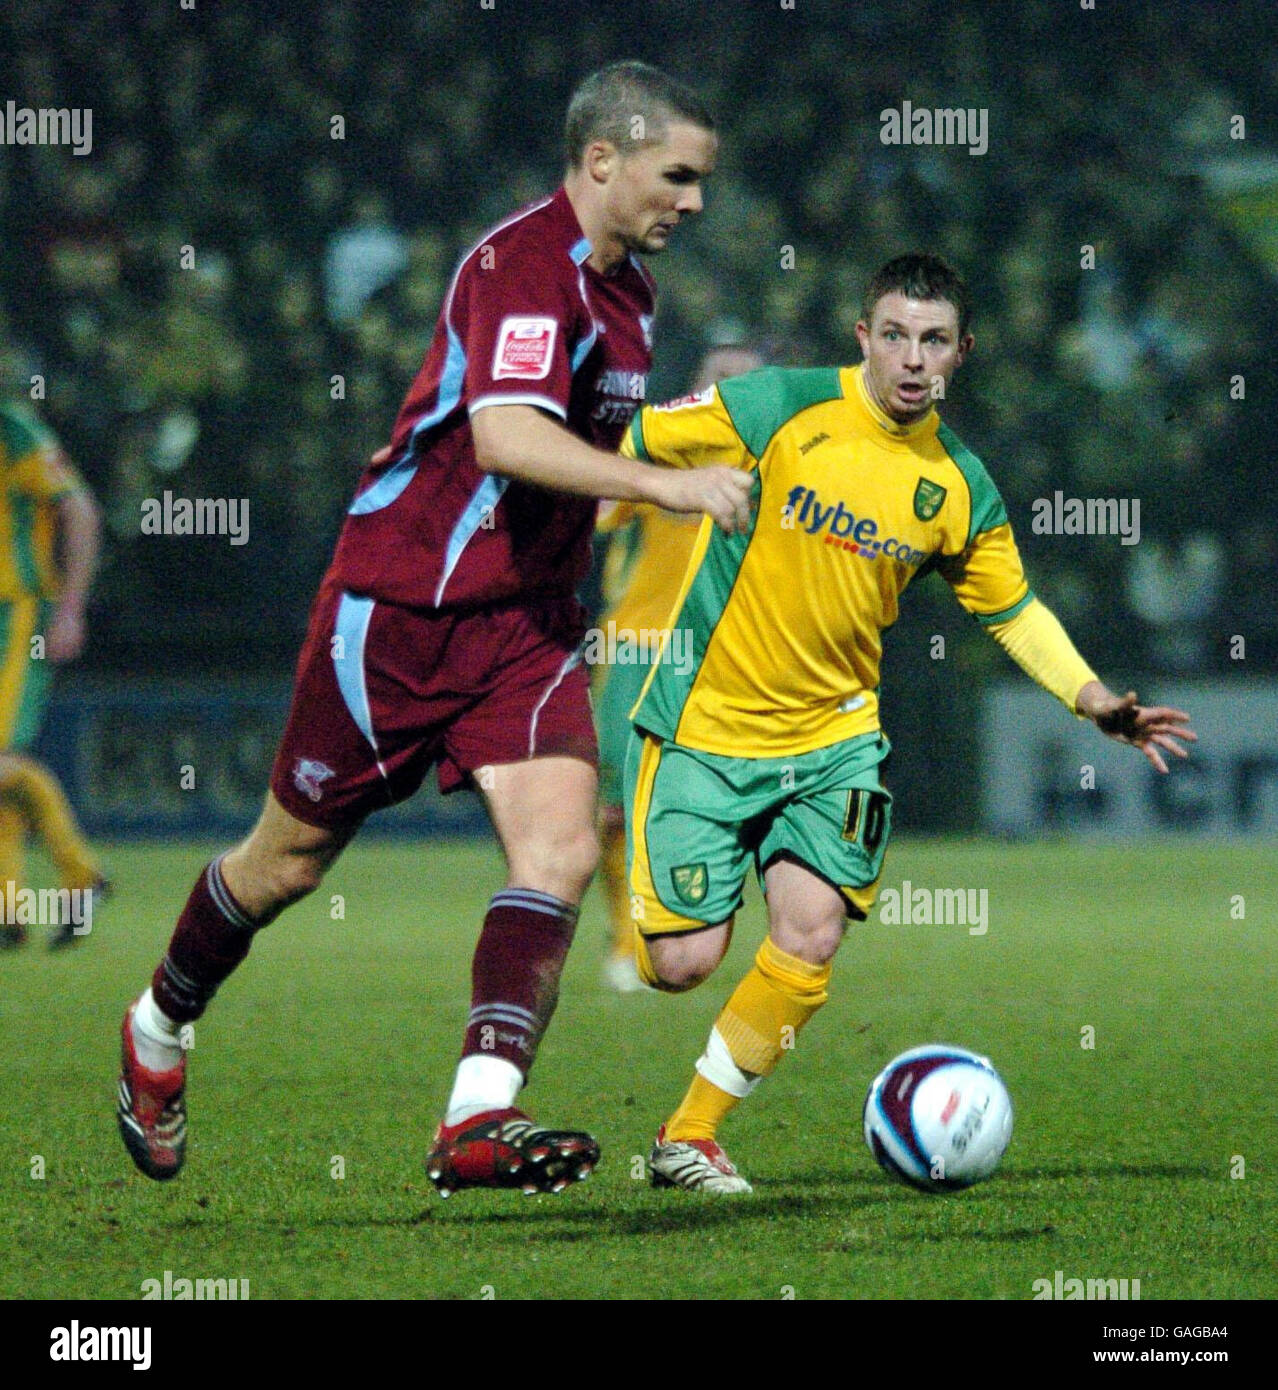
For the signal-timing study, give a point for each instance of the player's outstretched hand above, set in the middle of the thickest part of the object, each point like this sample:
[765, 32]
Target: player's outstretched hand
[1147, 727]
[722, 493]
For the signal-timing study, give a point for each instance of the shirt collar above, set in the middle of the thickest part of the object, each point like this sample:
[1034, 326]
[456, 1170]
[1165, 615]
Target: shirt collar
[578, 244]
[860, 393]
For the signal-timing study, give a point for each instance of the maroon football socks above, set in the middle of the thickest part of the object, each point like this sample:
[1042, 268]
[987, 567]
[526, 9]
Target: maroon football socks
[212, 937]
[515, 975]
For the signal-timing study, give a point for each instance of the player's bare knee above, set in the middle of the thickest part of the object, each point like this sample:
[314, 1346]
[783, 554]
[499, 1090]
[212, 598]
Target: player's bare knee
[582, 855]
[680, 979]
[295, 875]
[282, 860]
[681, 963]
[266, 878]
[817, 943]
[563, 864]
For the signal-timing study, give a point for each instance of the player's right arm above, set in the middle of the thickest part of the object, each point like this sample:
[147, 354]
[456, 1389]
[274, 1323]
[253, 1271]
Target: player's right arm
[693, 437]
[520, 441]
[520, 324]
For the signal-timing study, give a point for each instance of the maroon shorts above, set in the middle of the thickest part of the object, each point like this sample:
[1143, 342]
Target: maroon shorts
[384, 692]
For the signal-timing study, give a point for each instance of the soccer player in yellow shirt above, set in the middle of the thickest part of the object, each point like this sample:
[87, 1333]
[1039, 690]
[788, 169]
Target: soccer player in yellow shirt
[48, 552]
[647, 554]
[766, 746]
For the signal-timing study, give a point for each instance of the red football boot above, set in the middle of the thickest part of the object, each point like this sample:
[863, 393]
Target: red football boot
[152, 1111]
[503, 1148]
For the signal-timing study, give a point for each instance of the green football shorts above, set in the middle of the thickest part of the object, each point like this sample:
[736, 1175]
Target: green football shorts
[696, 821]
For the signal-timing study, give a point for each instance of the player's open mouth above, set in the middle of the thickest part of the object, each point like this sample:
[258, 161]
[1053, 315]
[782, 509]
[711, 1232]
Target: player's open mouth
[911, 390]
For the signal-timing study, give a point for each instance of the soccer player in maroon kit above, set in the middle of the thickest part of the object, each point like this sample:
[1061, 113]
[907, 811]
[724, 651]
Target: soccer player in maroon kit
[446, 631]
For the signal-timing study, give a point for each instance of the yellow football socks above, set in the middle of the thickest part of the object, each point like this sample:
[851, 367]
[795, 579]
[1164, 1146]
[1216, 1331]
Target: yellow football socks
[759, 1023]
[13, 834]
[700, 1111]
[34, 793]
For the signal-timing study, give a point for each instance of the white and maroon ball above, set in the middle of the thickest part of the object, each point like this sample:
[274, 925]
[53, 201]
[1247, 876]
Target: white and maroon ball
[938, 1118]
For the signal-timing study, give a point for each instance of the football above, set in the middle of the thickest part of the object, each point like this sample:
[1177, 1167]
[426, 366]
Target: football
[938, 1118]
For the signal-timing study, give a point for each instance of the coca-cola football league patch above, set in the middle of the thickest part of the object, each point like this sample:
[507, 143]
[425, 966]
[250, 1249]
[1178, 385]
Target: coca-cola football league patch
[525, 347]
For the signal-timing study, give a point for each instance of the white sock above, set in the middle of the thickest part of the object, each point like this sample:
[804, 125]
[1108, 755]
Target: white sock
[483, 1083]
[718, 1068]
[155, 1036]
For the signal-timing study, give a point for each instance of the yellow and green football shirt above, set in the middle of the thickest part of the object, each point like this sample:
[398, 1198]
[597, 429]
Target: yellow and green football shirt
[646, 560]
[849, 508]
[34, 477]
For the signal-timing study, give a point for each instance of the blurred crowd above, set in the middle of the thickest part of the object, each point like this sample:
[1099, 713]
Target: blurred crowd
[230, 294]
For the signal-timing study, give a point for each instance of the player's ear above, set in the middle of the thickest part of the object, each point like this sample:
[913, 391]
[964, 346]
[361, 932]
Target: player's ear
[863, 336]
[600, 159]
[966, 343]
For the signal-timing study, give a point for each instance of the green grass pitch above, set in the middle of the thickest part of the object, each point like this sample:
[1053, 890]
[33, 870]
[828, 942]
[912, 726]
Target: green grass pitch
[338, 1038]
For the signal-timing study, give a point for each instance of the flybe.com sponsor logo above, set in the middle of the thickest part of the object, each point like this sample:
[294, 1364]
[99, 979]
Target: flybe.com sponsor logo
[860, 535]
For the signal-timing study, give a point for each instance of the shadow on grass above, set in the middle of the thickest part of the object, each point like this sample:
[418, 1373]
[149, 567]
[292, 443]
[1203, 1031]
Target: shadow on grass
[684, 1212]
[575, 1221]
[648, 1213]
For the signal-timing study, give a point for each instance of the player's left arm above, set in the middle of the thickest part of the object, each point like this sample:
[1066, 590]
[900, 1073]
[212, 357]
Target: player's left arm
[989, 581]
[79, 529]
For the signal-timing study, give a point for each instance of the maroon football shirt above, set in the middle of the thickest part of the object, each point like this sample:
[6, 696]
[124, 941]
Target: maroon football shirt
[526, 321]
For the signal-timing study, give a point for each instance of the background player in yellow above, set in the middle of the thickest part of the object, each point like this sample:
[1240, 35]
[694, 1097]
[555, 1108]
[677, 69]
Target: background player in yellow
[647, 554]
[767, 750]
[48, 552]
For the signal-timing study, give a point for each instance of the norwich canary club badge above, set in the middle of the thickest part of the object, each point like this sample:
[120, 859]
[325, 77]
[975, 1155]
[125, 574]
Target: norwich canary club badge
[690, 882]
[928, 497]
